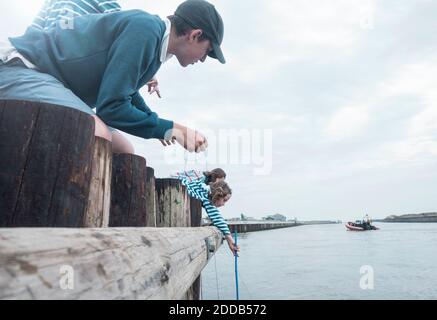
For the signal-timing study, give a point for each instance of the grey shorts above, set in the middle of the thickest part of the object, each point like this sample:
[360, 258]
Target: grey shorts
[17, 82]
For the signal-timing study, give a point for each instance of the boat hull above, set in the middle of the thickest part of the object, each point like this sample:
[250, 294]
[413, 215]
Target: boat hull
[350, 226]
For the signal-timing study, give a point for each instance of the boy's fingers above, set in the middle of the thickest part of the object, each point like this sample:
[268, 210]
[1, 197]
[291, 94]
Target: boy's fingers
[164, 142]
[156, 91]
[201, 147]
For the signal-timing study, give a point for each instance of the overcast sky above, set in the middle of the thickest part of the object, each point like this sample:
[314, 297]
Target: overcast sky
[346, 88]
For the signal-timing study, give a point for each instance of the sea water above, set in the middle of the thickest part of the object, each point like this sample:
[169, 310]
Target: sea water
[399, 261]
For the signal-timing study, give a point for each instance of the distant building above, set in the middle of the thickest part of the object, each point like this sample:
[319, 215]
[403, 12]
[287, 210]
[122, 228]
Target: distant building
[276, 217]
[246, 218]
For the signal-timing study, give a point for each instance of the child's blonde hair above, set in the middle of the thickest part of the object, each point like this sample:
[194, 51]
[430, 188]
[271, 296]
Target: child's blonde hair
[213, 175]
[219, 189]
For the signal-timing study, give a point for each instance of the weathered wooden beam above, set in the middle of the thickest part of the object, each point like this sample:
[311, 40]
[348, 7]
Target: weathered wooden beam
[128, 191]
[45, 164]
[102, 263]
[99, 201]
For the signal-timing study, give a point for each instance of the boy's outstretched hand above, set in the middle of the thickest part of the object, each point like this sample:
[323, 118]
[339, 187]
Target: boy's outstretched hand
[190, 139]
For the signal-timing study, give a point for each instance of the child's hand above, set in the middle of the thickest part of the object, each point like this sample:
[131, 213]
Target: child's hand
[153, 86]
[234, 248]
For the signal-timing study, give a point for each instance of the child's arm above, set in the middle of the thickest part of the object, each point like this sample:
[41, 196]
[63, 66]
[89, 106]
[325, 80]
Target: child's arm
[54, 10]
[189, 175]
[234, 248]
[195, 190]
[40, 19]
[215, 216]
[106, 6]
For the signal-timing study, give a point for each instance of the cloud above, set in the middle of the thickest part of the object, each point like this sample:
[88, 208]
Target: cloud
[347, 123]
[307, 26]
[417, 79]
[406, 101]
[348, 88]
[289, 32]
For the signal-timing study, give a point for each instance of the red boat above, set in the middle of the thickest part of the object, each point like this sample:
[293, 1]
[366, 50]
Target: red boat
[359, 226]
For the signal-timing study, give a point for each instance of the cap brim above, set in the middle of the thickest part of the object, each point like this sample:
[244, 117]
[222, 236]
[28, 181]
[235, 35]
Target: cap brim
[217, 53]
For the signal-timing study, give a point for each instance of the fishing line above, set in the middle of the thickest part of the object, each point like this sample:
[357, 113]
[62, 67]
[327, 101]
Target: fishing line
[236, 268]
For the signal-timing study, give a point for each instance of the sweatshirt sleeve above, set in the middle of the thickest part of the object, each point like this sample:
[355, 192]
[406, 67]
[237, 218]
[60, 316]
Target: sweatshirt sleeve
[133, 50]
[139, 103]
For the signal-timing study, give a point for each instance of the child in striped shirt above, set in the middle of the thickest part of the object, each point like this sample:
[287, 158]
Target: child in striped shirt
[212, 199]
[58, 10]
[207, 177]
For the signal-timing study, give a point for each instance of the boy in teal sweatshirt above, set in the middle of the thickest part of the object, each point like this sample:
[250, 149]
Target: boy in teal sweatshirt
[104, 60]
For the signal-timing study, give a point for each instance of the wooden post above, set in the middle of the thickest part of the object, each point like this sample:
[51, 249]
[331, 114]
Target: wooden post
[196, 212]
[99, 201]
[179, 207]
[194, 293]
[102, 263]
[172, 204]
[163, 202]
[45, 164]
[150, 198]
[176, 209]
[128, 191]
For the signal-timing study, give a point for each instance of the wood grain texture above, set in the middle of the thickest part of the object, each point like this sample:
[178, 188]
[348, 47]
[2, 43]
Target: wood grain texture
[128, 191]
[99, 201]
[45, 164]
[150, 198]
[106, 263]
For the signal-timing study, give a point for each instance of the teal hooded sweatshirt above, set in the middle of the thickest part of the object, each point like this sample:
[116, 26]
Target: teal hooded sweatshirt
[104, 59]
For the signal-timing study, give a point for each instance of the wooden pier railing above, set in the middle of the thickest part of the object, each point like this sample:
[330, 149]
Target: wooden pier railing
[55, 173]
[102, 263]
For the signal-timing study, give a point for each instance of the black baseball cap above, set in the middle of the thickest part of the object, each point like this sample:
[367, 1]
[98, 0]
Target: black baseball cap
[200, 14]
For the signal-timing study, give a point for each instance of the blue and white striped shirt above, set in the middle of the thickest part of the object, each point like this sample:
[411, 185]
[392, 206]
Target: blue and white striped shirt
[190, 175]
[196, 190]
[57, 10]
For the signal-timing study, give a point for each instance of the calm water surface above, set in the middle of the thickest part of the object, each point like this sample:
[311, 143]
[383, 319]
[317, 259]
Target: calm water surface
[324, 261]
